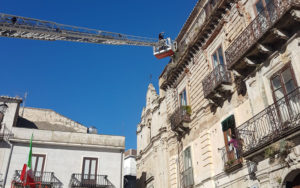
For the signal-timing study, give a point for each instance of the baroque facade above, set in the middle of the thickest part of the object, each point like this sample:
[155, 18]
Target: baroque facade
[65, 153]
[228, 110]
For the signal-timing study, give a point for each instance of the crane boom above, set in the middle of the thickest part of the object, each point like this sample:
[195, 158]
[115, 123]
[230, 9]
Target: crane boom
[30, 28]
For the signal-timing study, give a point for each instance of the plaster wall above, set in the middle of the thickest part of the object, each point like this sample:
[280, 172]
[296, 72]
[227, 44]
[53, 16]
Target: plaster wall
[65, 160]
[10, 114]
[130, 166]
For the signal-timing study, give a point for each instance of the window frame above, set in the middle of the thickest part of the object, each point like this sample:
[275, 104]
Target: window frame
[38, 156]
[229, 132]
[186, 97]
[188, 149]
[83, 167]
[254, 6]
[216, 51]
[279, 73]
[188, 169]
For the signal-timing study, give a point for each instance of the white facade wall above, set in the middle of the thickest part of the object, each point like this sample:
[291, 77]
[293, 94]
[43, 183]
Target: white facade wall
[130, 166]
[10, 114]
[64, 151]
[66, 160]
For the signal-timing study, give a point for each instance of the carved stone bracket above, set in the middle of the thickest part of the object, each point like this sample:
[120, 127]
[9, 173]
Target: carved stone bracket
[296, 15]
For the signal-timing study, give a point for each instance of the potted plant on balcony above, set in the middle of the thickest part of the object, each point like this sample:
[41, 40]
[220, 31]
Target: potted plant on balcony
[187, 109]
[229, 163]
[281, 148]
[270, 153]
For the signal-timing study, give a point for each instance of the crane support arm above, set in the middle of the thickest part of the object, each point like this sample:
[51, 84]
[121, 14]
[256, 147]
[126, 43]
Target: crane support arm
[29, 28]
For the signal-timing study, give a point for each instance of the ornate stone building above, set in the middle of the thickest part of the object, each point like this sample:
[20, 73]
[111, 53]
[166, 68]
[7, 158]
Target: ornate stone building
[229, 102]
[152, 170]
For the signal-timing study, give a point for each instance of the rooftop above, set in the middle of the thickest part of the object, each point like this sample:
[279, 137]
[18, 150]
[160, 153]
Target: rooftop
[10, 99]
[46, 119]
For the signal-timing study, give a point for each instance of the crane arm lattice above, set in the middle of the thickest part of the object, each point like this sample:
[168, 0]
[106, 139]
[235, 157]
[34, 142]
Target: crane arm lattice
[21, 27]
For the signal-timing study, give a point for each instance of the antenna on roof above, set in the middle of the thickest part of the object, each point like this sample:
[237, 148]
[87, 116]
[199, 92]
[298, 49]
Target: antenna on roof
[25, 96]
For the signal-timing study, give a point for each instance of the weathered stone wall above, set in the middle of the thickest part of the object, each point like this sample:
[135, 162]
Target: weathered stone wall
[206, 137]
[151, 142]
[50, 116]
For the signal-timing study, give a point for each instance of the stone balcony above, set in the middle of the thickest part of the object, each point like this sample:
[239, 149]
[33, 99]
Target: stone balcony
[269, 30]
[179, 120]
[279, 121]
[215, 84]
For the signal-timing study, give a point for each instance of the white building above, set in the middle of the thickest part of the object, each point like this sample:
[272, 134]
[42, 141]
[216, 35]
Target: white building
[130, 163]
[64, 154]
[130, 168]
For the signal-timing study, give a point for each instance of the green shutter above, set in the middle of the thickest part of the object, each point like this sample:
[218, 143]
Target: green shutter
[228, 123]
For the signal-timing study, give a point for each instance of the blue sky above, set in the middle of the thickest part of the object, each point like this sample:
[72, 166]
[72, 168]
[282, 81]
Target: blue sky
[96, 85]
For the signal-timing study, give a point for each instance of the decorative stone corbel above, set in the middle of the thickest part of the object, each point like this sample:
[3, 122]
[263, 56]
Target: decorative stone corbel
[249, 62]
[296, 15]
[263, 49]
[279, 33]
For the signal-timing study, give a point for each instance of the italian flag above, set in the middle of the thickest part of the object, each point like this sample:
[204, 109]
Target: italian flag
[27, 175]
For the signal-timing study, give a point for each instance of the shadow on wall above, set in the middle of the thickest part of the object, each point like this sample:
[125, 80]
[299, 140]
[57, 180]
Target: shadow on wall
[24, 123]
[129, 181]
[4, 145]
[141, 181]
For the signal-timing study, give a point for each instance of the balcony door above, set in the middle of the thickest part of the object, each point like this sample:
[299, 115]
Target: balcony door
[183, 98]
[218, 65]
[228, 127]
[38, 162]
[286, 99]
[188, 177]
[89, 170]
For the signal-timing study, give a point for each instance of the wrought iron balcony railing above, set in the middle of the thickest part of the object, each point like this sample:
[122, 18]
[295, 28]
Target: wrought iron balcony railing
[187, 177]
[263, 22]
[178, 119]
[220, 75]
[45, 178]
[277, 121]
[90, 180]
[5, 133]
[231, 158]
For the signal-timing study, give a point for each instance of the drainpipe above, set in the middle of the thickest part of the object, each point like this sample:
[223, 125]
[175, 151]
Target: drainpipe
[121, 173]
[8, 164]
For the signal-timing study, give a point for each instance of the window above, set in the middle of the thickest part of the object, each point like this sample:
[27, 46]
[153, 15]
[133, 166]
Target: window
[283, 83]
[188, 178]
[230, 138]
[89, 169]
[218, 57]
[38, 162]
[183, 99]
[260, 5]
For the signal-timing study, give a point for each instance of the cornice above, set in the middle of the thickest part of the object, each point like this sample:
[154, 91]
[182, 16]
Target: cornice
[10, 99]
[204, 36]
